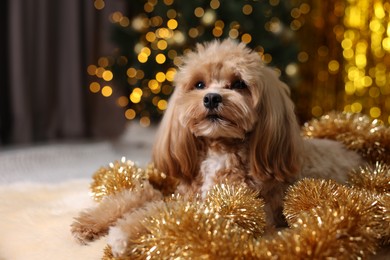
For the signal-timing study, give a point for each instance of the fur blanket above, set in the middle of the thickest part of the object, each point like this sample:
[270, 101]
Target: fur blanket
[35, 221]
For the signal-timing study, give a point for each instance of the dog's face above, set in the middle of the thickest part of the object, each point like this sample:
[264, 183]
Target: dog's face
[218, 92]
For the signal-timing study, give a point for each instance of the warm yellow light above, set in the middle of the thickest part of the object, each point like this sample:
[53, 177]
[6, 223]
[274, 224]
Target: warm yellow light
[246, 38]
[208, 17]
[150, 36]
[140, 74]
[199, 12]
[291, 69]
[374, 92]
[142, 57]
[348, 54]
[138, 91]
[220, 24]
[172, 24]
[356, 107]
[94, 87]
[160, 76]
[162, 44]
[162, 104]
[99, 4]
[333, 66]
[153, 84]
[171, 13]
[163, 33]
[267, 58]
[124, 21]
[144, 121]
[172, 54]
[107, 75]
[316, 111]
[106, 91]
[170, 74]
[146, 50]
[367, 81]
[214, 4]
[136, 95]
[156, 21]
[303, 57]
[346, 44]
[217, 31]
[386, 43]
[179, 37]
[122, 101]
[131, 72]
[304, 8]
[103, 62]
[91, 69]
[247, 9]
[130, 114]
[233, 33]
[375, 112]
[100, 71]
[116, 17]
[193, 32]
[160, 58]
[168, 2]
[148, 7]
[361, 60]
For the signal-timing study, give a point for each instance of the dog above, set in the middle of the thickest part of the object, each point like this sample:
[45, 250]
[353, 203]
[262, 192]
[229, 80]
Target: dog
[230, 119]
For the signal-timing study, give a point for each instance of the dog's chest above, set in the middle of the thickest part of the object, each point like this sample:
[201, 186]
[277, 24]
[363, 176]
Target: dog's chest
[219, 166]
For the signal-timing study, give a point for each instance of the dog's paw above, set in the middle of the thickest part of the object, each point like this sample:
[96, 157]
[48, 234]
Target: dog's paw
[88, 227]
[118, 240]
[85, 233]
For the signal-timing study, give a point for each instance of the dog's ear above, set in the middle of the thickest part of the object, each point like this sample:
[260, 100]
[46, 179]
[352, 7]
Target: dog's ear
[275, 142]
[175, 150]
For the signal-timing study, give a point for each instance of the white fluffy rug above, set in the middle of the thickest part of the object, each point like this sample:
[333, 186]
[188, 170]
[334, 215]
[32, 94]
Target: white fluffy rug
[35, 220]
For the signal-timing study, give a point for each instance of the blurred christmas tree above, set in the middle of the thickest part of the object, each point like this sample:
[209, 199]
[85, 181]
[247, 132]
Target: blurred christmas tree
[152, 35]
[335, 54]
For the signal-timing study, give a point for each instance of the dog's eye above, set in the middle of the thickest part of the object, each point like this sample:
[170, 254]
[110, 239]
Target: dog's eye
[200, 85]
[239, 84]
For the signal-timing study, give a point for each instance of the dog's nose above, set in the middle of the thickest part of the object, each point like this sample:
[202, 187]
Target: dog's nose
[212, 100]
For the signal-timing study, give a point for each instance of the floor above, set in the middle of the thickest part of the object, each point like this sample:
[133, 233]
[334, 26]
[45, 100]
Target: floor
[52, 163]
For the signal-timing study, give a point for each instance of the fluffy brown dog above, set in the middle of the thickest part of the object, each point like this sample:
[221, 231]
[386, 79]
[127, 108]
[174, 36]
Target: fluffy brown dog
[229, 119]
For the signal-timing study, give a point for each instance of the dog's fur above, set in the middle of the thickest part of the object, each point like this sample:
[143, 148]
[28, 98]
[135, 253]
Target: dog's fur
[247, 134]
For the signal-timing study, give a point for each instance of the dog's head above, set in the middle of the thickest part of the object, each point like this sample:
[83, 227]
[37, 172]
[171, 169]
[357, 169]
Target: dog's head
[223, 90]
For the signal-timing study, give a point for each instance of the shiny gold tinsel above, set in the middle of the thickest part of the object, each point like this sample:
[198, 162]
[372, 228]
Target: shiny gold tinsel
[337, 221]
[166, 184]
[239, 204]
[375, 179]
[357, 132]
[118, 176]
[218, 227]
[345, 228]
[126, 175]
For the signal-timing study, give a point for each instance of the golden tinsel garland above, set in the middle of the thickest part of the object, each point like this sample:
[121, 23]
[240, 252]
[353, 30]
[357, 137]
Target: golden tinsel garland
[370, 138]
[375, 179]
[126, 175]
[118, 176]
[215, 228]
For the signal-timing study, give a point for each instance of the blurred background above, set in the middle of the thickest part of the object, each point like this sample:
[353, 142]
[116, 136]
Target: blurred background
[75, 69]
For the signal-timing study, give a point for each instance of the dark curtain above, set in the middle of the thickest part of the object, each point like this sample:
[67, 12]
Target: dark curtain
[44, 92]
